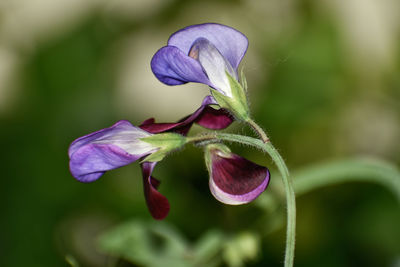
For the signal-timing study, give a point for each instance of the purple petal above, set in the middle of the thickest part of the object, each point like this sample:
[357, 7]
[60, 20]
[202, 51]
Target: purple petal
[171, 66]
[157, 204]
[231, 43]
[235, 180]
[209, 100]
[94, 154]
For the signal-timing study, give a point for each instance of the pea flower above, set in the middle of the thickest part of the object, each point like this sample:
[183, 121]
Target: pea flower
[210, 54]
[234, 180]
[121, 144]
[94, 154]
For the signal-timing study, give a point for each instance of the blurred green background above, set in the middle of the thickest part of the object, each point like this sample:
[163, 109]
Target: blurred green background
[324, 81]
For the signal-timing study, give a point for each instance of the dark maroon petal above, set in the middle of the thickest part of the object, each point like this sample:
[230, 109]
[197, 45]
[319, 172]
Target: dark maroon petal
[215, 119]
[235, 180]
[148, 122]
[157, 204]
[206, 116]
[153, 127]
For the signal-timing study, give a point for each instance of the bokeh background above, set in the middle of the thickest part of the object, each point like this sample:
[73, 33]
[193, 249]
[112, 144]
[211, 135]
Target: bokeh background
[324, 81]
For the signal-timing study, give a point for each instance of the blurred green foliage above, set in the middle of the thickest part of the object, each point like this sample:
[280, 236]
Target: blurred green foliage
[309, 85]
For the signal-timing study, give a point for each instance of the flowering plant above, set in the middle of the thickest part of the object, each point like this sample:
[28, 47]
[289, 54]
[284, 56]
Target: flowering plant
[209, 54]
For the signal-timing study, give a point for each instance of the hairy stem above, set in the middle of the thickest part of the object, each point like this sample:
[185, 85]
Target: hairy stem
[259, 130]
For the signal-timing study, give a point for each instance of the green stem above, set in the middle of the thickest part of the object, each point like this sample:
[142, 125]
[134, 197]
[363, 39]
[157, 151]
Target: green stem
[287, 183]
[259, 130]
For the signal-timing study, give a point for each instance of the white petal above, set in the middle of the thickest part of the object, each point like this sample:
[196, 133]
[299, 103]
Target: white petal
[214, 64]
[128, 139]
[225, 197]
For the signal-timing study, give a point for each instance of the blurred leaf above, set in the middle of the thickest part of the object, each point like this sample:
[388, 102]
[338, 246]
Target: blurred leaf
[208, 247]
[159, 244]
[148, 244]
[174, 241]
[71, 260]
[241, 248]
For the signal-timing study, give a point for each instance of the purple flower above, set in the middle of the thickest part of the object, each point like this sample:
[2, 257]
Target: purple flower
[94, 154]
[121, 144]
[234, 180]
[203, 53]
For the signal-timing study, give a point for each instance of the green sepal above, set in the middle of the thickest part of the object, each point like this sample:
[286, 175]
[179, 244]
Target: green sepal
[166, 142]
[243, 80]
[237, 104]
[209, 150]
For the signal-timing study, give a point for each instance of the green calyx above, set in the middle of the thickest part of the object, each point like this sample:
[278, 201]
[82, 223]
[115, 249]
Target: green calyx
[165, 142]
[237, 104]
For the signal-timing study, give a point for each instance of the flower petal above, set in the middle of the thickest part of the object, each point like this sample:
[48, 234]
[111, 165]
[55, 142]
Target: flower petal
[214, 65]
[215, 119]
[151, 126]
[205, 116]
[157, 204]
[235, 180]
[231, 43]
[94, 154]
[172, 67]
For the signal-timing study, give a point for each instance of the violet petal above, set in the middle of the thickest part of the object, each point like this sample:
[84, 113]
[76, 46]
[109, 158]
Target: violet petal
[235, 180]
[171, 66]
[110, 148]
[157, 204]
[231, 43]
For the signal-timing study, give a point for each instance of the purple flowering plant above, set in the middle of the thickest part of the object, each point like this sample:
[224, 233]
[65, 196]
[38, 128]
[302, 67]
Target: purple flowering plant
[209, 54]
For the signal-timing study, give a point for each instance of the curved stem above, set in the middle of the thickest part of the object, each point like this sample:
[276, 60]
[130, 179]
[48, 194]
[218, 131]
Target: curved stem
[276, 157]
[259, 130]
